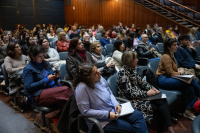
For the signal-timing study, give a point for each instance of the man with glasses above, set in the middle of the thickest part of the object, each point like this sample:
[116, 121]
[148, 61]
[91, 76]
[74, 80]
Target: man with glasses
[86, 42]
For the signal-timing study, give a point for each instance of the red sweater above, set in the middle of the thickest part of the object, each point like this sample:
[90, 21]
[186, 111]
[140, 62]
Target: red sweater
[63, 47]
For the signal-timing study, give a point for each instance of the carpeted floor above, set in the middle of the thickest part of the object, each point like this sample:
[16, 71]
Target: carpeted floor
[11, 121]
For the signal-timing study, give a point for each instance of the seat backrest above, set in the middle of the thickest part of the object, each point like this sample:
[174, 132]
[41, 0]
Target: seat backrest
[181, 9]
[98, 36]
[5, 75]
[112, 83]
[103, 51]
[160, 47]
[197, 48]
[63, 55]
[167, 3]
[63, 71]
[153, 66]
[50, 39]
[162, 1]
[113, 40]
[180, 2]
[141, 71]
[197, 16]
[109, 48]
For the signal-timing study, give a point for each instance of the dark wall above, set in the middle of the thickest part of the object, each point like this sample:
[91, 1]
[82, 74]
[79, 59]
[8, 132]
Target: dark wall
[31, 12]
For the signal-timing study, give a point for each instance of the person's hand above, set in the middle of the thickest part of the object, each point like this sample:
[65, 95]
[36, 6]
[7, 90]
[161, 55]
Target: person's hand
[151, 92]
[51, 77]
[110, 64]
[150, 44]
[156, 91]
[21, 68]
[181, 71]
[191, 47]
[57, 74]
[152, 49]
[113, 116]
[118, 109]
[128, 48]
[46, 59]
[197, 66]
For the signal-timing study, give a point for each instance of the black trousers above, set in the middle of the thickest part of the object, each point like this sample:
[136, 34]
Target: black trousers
[161, 112]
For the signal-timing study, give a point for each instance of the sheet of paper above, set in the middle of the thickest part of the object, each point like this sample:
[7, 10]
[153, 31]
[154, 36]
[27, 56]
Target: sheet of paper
[126, 109]
[164, 96]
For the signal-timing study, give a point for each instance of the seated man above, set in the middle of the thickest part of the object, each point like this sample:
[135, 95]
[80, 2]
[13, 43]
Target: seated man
[186, 54]
[145, 50]
[86, 42]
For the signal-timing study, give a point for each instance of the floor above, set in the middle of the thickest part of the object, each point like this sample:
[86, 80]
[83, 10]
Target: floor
[11, 121]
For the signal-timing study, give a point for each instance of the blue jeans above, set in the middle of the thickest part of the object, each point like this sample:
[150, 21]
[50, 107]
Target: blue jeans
[133, 123]
[168, 83]
[152, 59]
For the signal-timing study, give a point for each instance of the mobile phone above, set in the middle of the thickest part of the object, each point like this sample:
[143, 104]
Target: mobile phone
[57, 71]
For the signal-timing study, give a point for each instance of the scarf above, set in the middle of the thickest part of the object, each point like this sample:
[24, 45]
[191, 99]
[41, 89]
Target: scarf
[82, 54]
[129, 69]
[97, 56]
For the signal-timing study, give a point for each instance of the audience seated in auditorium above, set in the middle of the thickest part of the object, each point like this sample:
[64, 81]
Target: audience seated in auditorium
[76, 55]
[92, 38]
[5, 39]
[186, 54]
[63, 43]
[104, 39]
[23, 43]
[160, 35]
[106, 69]
[133, 42]
[111, 33]
[30, 41]
[176, 31]
[132, 87]
[167, 68]
[86, 41]
[74, 34]
[138, 33]
[95, 99]
[118, 50]
[155, 27]
[41, 84]
[50, 33]
[50, 54]
[145, 50]
[122, 35]
[169, 32]
[192, 34]
[3, 48]
[151, 35]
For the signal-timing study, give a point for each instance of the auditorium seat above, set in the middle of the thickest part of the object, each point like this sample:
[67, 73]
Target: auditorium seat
[63, 55]
[196, 125]
[109, 49]
[103, 51]
[160, 47]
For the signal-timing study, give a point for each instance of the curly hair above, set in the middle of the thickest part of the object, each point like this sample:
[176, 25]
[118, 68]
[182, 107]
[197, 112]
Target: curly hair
[83, 74]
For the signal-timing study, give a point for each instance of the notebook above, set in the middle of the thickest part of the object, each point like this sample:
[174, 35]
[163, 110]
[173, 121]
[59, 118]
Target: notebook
[158, 96]
[126, 109]
[184, 78]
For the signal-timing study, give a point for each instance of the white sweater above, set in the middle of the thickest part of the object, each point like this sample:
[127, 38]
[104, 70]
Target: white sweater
[54, 56]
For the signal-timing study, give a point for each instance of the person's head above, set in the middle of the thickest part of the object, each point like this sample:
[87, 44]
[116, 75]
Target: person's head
[50, 30]
[36, 54]
[30, 41]
[176, 28]
[59, 30]
[101, 29]
[5, 38]
[170, 46]
[10, 34]
[116, 29]
[169, 27]
[86, 73]
[62, 36]
[132, 26]
[193, 31]
[40, 35]
[123, 31]
[129, 58]
[149, 31]
[184, 39]
[120, 24]
[38, 27]
[86, 37]
[90, 32]
[104, 34]
[25, 35]
[138, 31]
[1, 42]
[155, 26]
[75, 31]
[74, 45]
[13, 49]
[148, 26]
[44, 43]
[144, 38]
[159, 30]
[119, 45]
[95, 47]
[113, 27]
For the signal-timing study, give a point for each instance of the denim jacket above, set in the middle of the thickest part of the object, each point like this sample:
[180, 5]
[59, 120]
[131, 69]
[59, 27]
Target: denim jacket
[34, 79]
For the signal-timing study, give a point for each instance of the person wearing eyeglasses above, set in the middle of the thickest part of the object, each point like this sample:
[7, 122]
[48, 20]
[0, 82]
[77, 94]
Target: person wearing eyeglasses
[144, 49]
[86, 42]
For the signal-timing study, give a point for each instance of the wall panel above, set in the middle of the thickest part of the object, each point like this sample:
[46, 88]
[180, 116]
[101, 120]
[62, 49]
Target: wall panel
[110, 12]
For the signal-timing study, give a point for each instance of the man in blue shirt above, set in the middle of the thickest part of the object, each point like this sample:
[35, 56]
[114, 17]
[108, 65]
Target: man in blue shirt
[186, 54]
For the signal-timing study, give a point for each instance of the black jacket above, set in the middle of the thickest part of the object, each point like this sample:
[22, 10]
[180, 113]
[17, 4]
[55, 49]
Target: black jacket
[72, 63]
[159, 38]
[87, 46]
[143, 52]
[151, 38]
[24, 46]
[68, 121]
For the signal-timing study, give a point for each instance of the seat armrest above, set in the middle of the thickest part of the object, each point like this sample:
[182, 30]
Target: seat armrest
[93, 120]
[69, 83]
[122, 99]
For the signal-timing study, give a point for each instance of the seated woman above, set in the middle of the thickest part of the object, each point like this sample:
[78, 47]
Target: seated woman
[50, 54]
[15, 60]
[104, 39]
[167, 68]
[176, 31]
[192, 34]
[133, 42]
[23, 43]
[133, 88]
[41, 35]
[63, 43]
[122, 35]
[118, 50]
[95, 50]
[30, 41]
[76, 55]
[5, 39]
[138, 33]
[50, 33]
[95, 99]
[40, 82]
[3, 55]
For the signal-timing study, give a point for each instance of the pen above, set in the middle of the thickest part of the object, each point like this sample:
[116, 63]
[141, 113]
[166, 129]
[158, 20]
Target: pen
[115, 113]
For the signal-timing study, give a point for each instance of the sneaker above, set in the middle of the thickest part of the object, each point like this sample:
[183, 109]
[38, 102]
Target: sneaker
[189, 114]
